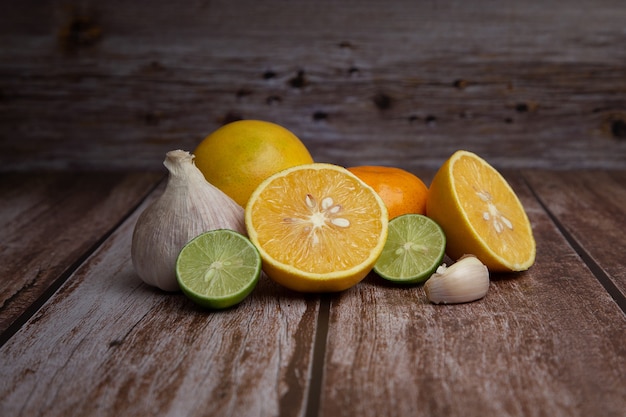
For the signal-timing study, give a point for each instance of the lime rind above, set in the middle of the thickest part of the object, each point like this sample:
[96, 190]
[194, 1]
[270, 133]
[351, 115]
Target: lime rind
[415, 247]
[218, 269]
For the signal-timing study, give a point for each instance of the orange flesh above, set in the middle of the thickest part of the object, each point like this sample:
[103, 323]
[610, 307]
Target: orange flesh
[492, 209]
[331, 223]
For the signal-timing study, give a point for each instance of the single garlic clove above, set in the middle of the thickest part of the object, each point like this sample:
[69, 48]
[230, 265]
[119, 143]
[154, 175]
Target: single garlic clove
[466, 280]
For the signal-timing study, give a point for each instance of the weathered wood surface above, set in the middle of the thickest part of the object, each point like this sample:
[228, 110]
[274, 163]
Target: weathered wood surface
[117, 84]
[107, 344]
[111, 86]
[590, 209]
[547, 342]
[50, 222]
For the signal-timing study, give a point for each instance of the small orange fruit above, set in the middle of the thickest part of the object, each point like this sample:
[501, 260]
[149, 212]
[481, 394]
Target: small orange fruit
[318, 227]
[402, 192]
[238, 156]
[480, 214]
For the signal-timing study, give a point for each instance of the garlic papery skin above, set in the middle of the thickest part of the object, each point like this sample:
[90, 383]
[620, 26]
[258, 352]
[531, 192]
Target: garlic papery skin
[188, 207]
[466, 280]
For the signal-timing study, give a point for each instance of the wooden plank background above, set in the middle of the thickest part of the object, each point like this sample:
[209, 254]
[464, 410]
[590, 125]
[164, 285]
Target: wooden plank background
[93, 93]
[101, 85]
[586, 206]
[413, 358]
[50, 223]
[107, 344]
[546, 342]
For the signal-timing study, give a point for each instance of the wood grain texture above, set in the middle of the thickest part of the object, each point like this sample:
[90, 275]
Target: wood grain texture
[114, 84]
[591, 208]
[106, 344]
[547, 342]
[50, 222]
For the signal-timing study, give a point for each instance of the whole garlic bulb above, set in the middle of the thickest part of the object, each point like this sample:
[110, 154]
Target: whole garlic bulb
[189, 206]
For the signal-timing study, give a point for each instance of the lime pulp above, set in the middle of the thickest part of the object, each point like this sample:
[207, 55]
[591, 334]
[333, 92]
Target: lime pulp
[218, 269]
[415, 247]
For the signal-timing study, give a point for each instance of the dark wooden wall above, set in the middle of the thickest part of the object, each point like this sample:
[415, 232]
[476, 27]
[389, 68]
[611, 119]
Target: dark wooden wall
[116, 84]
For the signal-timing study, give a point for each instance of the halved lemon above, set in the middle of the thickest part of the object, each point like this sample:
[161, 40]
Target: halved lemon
[480, 214]
[318, 227]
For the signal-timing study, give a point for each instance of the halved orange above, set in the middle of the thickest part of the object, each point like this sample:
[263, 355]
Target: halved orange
[317, 226]
[480, 214]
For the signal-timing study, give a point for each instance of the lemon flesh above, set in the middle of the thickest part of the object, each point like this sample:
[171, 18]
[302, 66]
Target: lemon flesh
[480, 214]
[318, 227]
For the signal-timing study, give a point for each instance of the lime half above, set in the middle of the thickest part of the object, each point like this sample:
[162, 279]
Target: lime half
[414, 249]
[218, 269]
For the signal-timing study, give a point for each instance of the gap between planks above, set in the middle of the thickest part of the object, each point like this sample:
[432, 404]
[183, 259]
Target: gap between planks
[54, 286]
[319, 357]
[323, 322]
[587, 259]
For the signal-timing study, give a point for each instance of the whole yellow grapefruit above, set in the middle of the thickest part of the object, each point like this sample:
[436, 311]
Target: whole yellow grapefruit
[238, 156]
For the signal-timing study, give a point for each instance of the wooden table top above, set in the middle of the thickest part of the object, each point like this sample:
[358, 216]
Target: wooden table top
[92, 96]
[83, 335]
